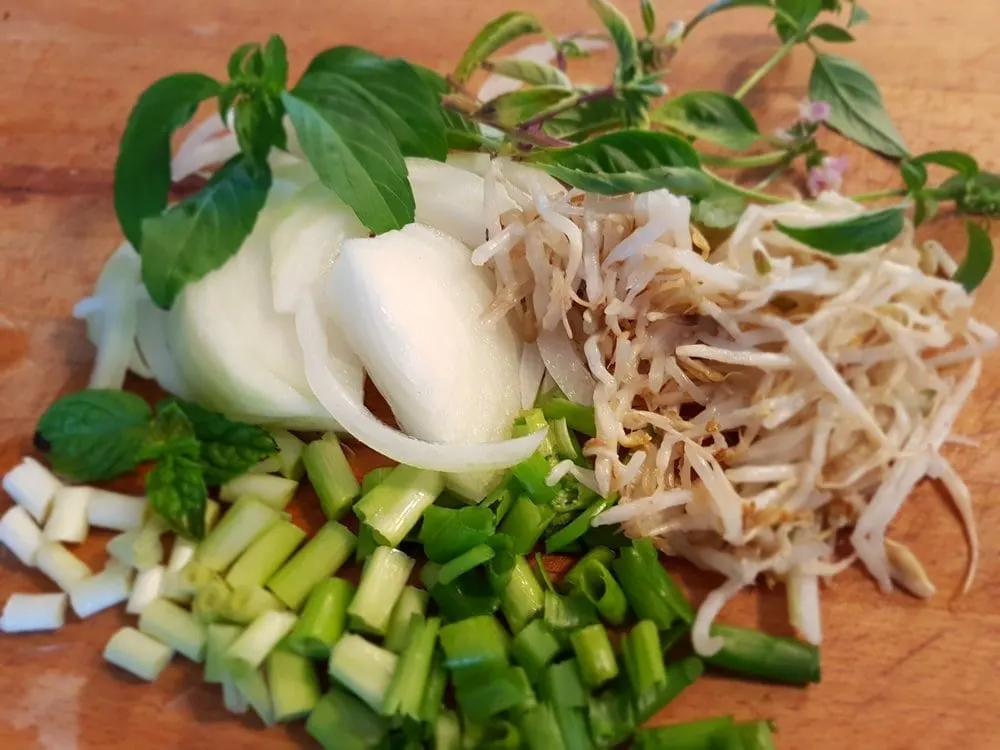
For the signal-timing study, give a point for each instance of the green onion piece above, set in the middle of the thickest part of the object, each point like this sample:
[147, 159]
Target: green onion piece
[366, 543]
[673, 636]
[574, 729]
[500, 500]
[447, 731]
[382, 581]
[374, 478]
[174, 627]
[395, 506]
[499, 734]
[521, 595]
[643, 659]
[274, 492]
[563, 687]
[247, 603]
[474, 642]
[320, 558]
[446, 533]
[601, 589]
[411, 603]
[363, 668]
[219, 639]
[342, 722]
[405, 695]
[767, 657]
[267, 553]
[211, 603]
[534, 648]
[707, 734]
[564, 442]
[568, 612]
[434, 690]
[248, 652]
[488, 690]
[603, 555]
[581, 418]
[467, 596]
[650, 590]
[323, 619]
[595, 655]
[137, 653]
[474, 558]
[680, 675]
[756, 735]
[253, 687]
[235, 531]
[289, 456]
[611, 717]
[531, 421]
[331, 476]
[579, 526]
[541, 730]
[525, 523]
[531, 473]
[293, 683]
[610, 536]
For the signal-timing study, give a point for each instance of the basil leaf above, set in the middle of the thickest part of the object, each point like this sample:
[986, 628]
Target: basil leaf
[228, 448]
[854, 235]
[961, 162]
[795, 16]
[978, 258]
[500, 31]
[710, 115]
[515, 107]
[829, 32]
[627, 161]
[94, 434]
[858, 15]
[720, 209]
[353, 153]
[239, 60]
[204, 230]
[176, 490]
[528, 71]
[648, 16]
[623, 37]
[170, 433]
[275, 64]
[720, 5]
[259, 127]
[142, 172]
[856, 108]
[460, 133]
[586, 119]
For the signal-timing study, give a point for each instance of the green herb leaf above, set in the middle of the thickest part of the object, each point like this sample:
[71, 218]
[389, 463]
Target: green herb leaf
[710, 115]
[980, 194]
[275, 64]
[858, 15]
[648, 16]
[142, 172]
[623, 37]
[176, 490]
[720, 209]
[829, 32]
[460, 133]
[794, 16]
[204, 230]
[856, 105]
[914, 174]
[240, 61]
[516, 107]
[959, 161]
[528, 71]
[720, 5]
[353, 153]
[627, 161]
[978, 258]
[497, 33]
[259, 127]
[854, 235]
[585, 119]
[94, 434]
[170, 433]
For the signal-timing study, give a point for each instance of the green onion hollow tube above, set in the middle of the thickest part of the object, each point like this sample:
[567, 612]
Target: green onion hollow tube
[531, 473]
[574, 728]
[563, 687]
[491, 689]
[525, 523]
[448, 532]
[564, 442]
[382, 582]
[363, 668]
[434, 690]
[600, 554]
[342, 722]
[366, 543]
[247, 603]
[447, 731]
[680, 675]
[568, 612]
[534, 648]
[322, 620]
[248, 652]
[374, 478]
[756, 735]
[294, 687]
[266, 555]
[707, 734]
[611, 717]
[412, 603]
[175, 627]
[767, 657]
[650, 590]
[219, 638]
[579, 526]
[540, 729]
[594, 654]
[601, 589]
[500, 500]
[474, 642]
[521, 595]
[409, 680]
[467, 596]
[579, 417]
[274, 492]
[395, 506]
[235, 531]
[331, 476]
[211, 603]
[500, 734]
[320, 558]
[137, 653]
[643, 659]
[253, 688]
[470, 560]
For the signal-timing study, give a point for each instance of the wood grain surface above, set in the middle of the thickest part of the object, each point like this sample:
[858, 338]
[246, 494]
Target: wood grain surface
[897, 673]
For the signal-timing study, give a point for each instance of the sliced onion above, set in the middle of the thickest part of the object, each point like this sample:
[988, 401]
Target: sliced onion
[532, 372]
[566, 367]
[448, 198]
[151, 341]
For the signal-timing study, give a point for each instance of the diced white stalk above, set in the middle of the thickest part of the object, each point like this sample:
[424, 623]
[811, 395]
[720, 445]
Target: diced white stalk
[249, 651]
[96, 593]
[68, 516]
[137, 653]
[232, 698]
[273, 491]
[26, 613]
[61, 565]
[363, 668]
[236, 530]
[31, 486]
[20, 534]
[253, 688]
[147, 587]
[176, 627]
[113, 510]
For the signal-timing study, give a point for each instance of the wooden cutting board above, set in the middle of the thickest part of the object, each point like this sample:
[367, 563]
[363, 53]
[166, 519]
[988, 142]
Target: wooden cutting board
[898, 673]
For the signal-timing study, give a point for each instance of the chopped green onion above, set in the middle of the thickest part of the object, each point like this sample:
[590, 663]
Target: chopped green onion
[563, 687]
[232, 699]
[331, 476]
[490, 689]
[466, 596]
[290, 450]
[767, 657]
[253, 687]
[342, 722]
[181, 585]
[211, 603]
[434, 690]
[531, 473]
[96, 593]
[474, 558]
[137, 548]
[447, 731]
[568, 612]
[382, 581]
[673, 636]
[525, 523]
[30, 613]
[650, 590]
[643, 659]
[446, 533]
[611, 717]
[594, 654]
[113, 510]
[235, 531]
[259, 639]
[411, 603]
[274, 492]
[322, 620]
[541, 730]
[574, 729]
[579, 417]
[521, 596]
[374, 478]
[395, 506]
[500, 500]
[219, 639]
[366, 543]
[707, 734]
[320, 558]
[603, 555]
[363, 668]
[534, 648]
[293, 683]
[601, 589]
[579, 526]
[137, 653]
[564, 442]
[755, 735]
[474, 642]
[247, 603]
[405, 694]
[499, 734]
[680, 675]
[610, 536]
[175, 627]
[265, 555]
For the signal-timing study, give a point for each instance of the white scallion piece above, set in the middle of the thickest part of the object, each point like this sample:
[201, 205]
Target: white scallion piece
[273, 491]
[20, 534]
[176, 627]
[113, 510]
[31, 486]
[26, 613]
[147, 587]
[61, 565]
[253, 645]
[68, 517]
[96, 593]
[140, 548]
[181, 554]
[137, 653]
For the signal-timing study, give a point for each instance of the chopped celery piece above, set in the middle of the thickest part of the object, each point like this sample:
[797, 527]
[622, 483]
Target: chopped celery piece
[293, 683]
[266, 555]
[412, 602]
[175, 627]
[323, 619]
[382, 581]
[274, 492]
[320, 558]
[137, 653]
[235, 531]
[395, 506]
[363, 668]
[331, 476]
[342, 722]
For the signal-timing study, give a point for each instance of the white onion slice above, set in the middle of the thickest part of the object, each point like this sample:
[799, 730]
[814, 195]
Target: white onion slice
[566, 367]
[532, 372]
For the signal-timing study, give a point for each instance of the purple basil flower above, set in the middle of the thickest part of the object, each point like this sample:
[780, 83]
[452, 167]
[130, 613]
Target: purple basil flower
[828, 175]
[814, 112]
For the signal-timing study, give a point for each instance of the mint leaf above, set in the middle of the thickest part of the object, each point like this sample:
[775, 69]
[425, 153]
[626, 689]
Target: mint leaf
[720, 5]
[142, 172]
[978, 258]
[204, 230]
[176, 490]
[711, 115]
[856, 108]
[528, 71]
[623, 37]
[94, 434]
[499, 32]
[829, 32]
[627, 161]
[516, 107]
[352, 152]
[854, 235]
[170, 433]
